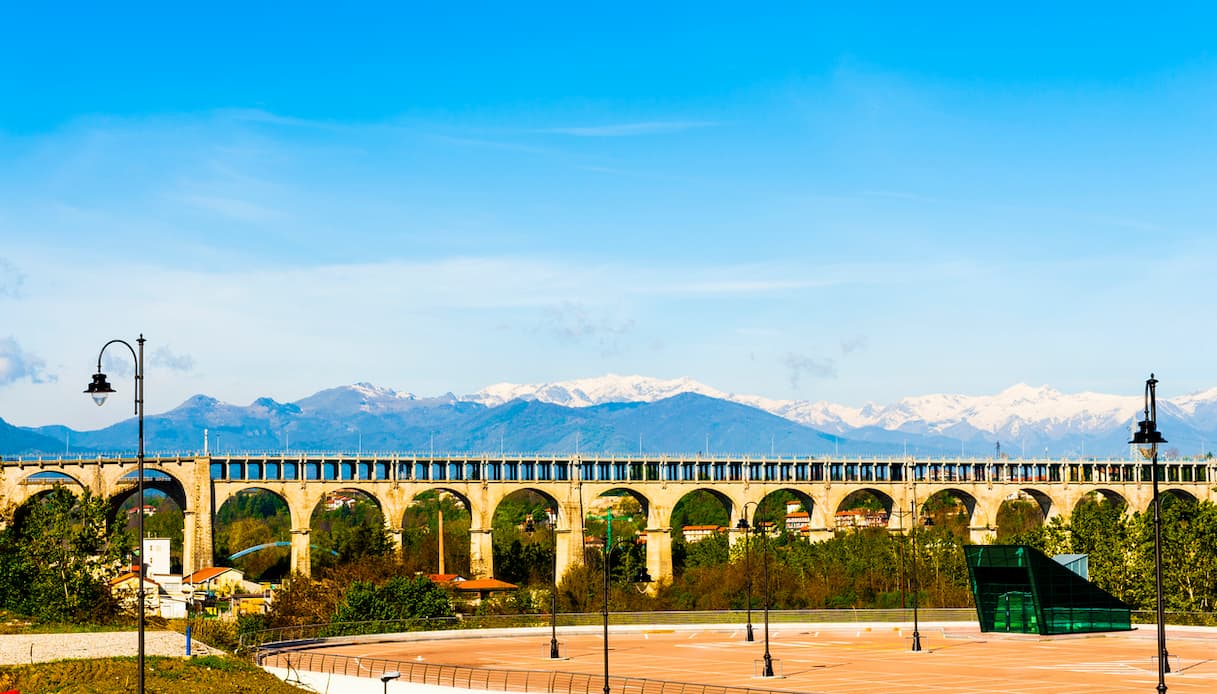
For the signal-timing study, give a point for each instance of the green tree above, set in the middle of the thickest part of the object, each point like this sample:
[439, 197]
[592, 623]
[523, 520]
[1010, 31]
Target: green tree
[399, 597]
[56, 554]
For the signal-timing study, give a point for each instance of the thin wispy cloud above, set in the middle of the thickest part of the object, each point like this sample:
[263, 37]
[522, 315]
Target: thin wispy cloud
[629, 129]
[803, 365]
[166, 358]
[580, 324]
[853, 344]
[17, 364]
[11, 280]
[751, 286]
[232, 208]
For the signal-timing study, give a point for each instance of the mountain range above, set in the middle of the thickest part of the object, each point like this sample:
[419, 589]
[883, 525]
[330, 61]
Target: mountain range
[629, 414]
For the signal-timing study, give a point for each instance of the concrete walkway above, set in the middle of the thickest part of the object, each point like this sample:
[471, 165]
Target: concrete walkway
[25, 649]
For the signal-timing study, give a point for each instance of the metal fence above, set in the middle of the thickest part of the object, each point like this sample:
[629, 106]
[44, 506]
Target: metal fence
[492, 679]
[308, 632]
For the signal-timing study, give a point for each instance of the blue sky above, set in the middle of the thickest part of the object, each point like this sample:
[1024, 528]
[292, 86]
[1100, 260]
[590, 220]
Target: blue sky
[845, 204]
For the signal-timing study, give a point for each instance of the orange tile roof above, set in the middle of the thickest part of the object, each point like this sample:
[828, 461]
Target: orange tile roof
[445, 578]
[129, 576]
[206, 574]
[480, 584]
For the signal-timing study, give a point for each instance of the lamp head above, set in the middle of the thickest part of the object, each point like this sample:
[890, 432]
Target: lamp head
[742, 524]
[1147, 434]
[391, 675]
[99, 389]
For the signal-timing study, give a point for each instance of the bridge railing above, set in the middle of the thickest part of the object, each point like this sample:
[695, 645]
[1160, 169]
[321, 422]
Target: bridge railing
[492, 679]
[269, 638]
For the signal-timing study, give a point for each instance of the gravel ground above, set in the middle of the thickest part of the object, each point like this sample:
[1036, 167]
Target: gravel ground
[22, 649]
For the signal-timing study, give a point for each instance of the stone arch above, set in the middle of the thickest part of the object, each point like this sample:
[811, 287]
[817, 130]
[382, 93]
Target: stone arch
[646, 508]
[1048, 506]
[1179, 494]
[156, 479]
[39, 483]
[525, 545]
[845, 498]
[731, 507]
[1010, 520]
[811, 518]
[550, 501]
[262, 563]
[27, 503]
[417, 533]
[977, 515]
[1104, 494]
[337, 504]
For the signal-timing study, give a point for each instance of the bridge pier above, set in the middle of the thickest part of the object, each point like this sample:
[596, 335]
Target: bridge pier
[569, 541]
[189, 530]
[301, 559]
[481, 553]
[659, 554]
[396, 536]
[981, 535]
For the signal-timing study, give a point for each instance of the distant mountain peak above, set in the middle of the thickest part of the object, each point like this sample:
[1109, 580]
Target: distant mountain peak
[371, 391]
[587, 392]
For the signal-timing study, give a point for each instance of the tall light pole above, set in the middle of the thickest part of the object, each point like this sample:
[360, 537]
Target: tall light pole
[916, 584]
[553, 594]
[529, 527]
[743, 525]
[100, 389]
[768, 671]
[1147, 438]
[641, 577]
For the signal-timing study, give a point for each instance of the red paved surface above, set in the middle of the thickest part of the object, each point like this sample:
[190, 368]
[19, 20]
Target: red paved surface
[847, 659]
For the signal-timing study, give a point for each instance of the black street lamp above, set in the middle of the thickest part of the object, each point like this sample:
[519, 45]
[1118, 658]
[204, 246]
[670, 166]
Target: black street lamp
[553, 594]
[1147, 438]
[915, 583]
[389, 677]
[100, 389]
[767, 671]
[529, 527]
[743, 525]
[641, 577]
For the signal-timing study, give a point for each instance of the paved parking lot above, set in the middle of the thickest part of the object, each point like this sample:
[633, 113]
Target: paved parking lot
[843, 659]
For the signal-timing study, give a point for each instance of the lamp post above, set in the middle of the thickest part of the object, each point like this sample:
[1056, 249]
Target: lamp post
[389, 677]
[916, 584]
[529, 527]
[768, 671]
[641, 577]
[743, 525]
[1147, 438]
[553, 594]
[100, 389]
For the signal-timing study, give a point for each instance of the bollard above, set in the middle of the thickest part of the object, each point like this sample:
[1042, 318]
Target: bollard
[187, 639]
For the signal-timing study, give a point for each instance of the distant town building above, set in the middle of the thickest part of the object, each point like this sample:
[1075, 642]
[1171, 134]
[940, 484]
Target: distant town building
[861, 518]
[798, 521]
[697, 533]
[333, 502]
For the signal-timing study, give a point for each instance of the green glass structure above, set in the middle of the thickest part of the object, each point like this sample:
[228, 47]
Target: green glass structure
[1018, 588]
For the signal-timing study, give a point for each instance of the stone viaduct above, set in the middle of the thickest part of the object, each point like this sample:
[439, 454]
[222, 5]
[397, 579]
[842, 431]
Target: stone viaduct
[201, 484]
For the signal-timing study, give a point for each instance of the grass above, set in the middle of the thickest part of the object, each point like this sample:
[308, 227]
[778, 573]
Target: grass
[162, 676]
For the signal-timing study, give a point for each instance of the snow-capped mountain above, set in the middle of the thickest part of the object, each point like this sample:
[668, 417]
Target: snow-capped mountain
[623, 414]
[587, 392]
[1012, 413]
